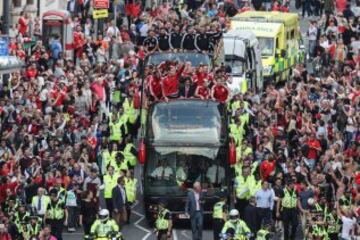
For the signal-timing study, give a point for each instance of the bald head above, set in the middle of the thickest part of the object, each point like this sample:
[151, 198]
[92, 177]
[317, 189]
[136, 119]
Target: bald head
[197, 186]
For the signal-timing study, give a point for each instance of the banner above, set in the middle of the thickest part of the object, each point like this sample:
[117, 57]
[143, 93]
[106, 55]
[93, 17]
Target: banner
[4, 45]
[101, 4]
[101, 13]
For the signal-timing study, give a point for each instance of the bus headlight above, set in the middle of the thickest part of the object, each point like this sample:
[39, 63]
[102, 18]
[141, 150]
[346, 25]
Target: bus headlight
[267, 70]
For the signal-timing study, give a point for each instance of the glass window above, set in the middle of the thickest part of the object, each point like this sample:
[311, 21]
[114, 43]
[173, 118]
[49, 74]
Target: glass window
[237, 66]
[171, 170]
[186, 121]
[266, 46]
[17, 3]
[195, 58]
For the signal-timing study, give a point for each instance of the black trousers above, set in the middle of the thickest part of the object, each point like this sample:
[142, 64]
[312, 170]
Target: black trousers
[162, 235]
[291, 221]
[56, 227]
[334, 236]
[109, 204]
[240, 206]
[218, 225]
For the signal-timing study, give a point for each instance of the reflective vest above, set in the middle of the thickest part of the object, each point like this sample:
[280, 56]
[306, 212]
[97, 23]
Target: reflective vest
[116, 96]
[62, 193]
[237, 132]
[244, 86]
[54, 211]
[241, 229]
[261, 234]
[130, 111]
[255, 187]
[289, 200]
[130, 187]
[333, 224]
[115, 131]
[162, 223]
[34, 230]
[243, 186]
[319, 209]
[105, 159]
[318, 231]
[100, 229]
[128, 155]
[218, 211]
[45, 200]
[109, 183]
[122, 166]
[20, 217]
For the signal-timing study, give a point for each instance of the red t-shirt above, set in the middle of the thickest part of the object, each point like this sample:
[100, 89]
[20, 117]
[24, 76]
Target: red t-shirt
[22, 25]
[199, 78]
[155, 86]
[266, 168]
[313, 143]
[203, 91]
[221, 93]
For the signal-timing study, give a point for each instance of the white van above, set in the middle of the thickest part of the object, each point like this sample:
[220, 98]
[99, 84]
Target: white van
[242, 58]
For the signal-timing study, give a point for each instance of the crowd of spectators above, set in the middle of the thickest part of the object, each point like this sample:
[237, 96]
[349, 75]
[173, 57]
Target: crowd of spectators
[66, 122]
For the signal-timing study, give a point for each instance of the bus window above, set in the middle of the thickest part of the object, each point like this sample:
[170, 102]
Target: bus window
[277, 43]
[292, 34]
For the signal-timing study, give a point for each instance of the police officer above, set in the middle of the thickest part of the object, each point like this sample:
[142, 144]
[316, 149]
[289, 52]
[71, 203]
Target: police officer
[219, 215]
[333, 225]
[163, 39]
[289, 202]
[243, 183]
[163, 222]
[151, 43]
[188, 41]
[34, 226]
[110, 181]
[103, 226]
[130, 152]
[130, 189]
[21, 215]
[241, 229]
[56, 214]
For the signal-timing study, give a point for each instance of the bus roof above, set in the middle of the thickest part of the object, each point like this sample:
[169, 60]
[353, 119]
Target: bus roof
[267, 29]
[288, 19]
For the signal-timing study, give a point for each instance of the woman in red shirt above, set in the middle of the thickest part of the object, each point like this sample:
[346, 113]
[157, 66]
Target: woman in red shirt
[23, 23]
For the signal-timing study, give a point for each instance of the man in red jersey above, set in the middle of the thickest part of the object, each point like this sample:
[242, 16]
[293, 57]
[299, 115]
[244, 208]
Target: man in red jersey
[170, 83]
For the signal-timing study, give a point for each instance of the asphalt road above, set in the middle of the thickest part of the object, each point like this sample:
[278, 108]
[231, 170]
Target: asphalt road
[138, 229]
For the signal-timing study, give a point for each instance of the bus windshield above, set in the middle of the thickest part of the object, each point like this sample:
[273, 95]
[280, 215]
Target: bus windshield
[195, 58]
[266, 46]
[186, 121]
[171, 170]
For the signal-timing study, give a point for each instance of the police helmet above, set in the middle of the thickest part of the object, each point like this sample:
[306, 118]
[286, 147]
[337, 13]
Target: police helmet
[234, 214]
[104, 215]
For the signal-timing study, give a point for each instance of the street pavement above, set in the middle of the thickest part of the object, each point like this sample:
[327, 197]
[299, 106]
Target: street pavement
[138, 229]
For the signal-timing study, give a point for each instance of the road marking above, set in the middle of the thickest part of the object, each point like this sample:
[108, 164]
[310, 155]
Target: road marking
[183, 232]
[136, 224]
[175, 235]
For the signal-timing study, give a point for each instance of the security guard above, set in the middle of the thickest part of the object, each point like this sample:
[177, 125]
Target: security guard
[23, 230]
[103, 226]
[163, 222]
[34, 226]
[115, 126]
[289, 203]
[242, 188]
[110, 181]
[318, 230]
[130, 152]
[130, 188]
[119, 163]
[242, 231]
[20, 216]
[219, 215]
[333, 225]
[56, 214]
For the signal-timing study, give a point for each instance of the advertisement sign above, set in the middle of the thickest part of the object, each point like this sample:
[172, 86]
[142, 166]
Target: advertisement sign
[101, 13]
[4, 45]
[101, 4]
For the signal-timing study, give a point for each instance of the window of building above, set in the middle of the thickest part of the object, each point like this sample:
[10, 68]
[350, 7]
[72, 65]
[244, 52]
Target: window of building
[17, 3]
[29, 2]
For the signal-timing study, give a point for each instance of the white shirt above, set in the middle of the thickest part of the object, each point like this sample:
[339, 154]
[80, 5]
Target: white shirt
[211, 173]
[347, 227]
[113, 31]
[197, 199]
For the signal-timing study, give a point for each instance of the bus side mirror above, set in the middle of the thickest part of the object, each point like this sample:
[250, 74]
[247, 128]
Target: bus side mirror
[232, 152]
[142, 152]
